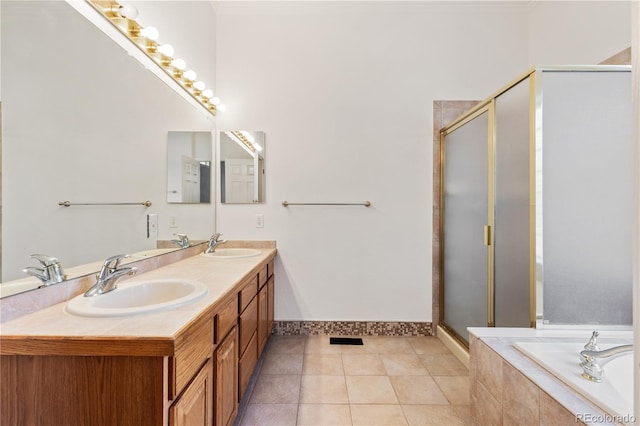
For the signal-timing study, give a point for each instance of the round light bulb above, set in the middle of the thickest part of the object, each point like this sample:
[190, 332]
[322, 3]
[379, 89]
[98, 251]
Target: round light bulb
[149, 32]
[215, 100]
[199, 85]
[166, 49]
[221, 107]
[207, 93]
[179, 64]
[190, 75]
[257, 147]
[128, 11]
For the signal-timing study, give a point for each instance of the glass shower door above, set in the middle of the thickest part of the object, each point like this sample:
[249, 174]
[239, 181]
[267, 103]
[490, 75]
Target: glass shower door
[465, 207]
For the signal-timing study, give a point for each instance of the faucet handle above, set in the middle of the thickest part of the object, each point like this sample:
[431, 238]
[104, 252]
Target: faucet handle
[215, 236]
[45, 260]
[114, 261]
[592, 344]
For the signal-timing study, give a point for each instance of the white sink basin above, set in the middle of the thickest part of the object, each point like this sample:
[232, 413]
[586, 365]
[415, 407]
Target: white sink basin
[137, 298]
[151, 253]
[232, 253]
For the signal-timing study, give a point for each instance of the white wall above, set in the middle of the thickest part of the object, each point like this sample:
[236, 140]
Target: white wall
[577, 32]
[344, 92]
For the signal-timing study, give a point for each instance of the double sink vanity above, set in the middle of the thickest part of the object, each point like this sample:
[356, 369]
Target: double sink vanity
[174, 345]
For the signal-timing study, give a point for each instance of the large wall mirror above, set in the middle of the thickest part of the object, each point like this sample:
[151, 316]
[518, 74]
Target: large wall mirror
[242, 162]
[83, 121]
[189, 167]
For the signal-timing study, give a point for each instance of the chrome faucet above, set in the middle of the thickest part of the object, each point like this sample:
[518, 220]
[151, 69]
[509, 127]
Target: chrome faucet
[51, 271]
[183, 240]
[214, 242]
[109, 274]
[590, 354]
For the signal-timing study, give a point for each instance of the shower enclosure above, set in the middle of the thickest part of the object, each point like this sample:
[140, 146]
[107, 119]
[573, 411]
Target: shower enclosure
[536, 196]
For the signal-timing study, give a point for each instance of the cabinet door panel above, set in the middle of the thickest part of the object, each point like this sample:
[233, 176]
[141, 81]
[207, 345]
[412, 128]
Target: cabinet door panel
[194, 407]
[248, 324]
[226, 379]
[263, 319]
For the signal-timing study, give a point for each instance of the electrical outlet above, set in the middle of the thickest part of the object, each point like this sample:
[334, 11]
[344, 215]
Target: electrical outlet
[259, 221]
[152, 226]
[173, 222]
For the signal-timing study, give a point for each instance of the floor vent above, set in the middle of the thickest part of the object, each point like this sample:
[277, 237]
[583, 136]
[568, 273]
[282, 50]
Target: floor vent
[345, 341]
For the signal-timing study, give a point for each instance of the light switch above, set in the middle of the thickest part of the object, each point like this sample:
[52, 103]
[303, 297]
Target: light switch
[259, 221]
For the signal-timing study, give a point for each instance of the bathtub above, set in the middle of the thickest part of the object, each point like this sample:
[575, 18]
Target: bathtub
[614, 394]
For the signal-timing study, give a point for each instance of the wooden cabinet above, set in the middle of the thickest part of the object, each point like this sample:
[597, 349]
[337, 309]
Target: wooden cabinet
[263, 317]
[192, 378]
[226, 379]
[195, 405]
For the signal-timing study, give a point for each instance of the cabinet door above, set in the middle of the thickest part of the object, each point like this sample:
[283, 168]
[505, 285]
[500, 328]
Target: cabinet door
[248, 324]
[194, 407]
[263, 318]
[226, 379]
[270, 304]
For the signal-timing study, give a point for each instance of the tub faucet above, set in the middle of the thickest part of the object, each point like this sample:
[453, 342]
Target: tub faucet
[183, 240]
[214, 242]
[590, 354]
[51, 271]
[109, 274]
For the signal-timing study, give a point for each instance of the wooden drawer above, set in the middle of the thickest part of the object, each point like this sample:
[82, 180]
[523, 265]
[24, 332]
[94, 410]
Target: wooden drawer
[226, 318]
[248, 324]
[248, 292]
[193, 348]
[262, 277]
[247, 364]
[270, 268]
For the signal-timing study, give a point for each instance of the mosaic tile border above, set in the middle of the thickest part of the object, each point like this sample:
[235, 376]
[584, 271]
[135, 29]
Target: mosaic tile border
[347, 328]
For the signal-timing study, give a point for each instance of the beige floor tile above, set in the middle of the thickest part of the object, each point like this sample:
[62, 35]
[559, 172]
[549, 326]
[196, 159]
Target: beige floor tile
[323, 390]
[464, 412]
[282, 364]
[392, 345]
[320, 345]
[428, 345]
[444, 365]
[368, 347]
[276, 389]
[324, 415]
[270, 415]
[322, 364]
[363, 365]
[373, 415]
[431, 415]
[286, 344]
[403, 365]
[418, 390]
[455, 388]
[370, 390]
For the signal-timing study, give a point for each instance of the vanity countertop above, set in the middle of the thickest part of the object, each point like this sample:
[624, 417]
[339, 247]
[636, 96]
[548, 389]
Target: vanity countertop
[52, 331]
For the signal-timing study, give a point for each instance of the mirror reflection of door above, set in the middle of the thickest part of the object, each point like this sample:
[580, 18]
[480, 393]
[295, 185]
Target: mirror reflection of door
[242, 167]
[190, 180]
[189, 167]
[239, 180]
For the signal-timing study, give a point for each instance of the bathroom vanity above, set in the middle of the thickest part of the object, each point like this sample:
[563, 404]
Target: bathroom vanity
[186, 366]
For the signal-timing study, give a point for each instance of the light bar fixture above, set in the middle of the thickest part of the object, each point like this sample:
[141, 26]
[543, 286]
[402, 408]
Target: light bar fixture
[123, 17]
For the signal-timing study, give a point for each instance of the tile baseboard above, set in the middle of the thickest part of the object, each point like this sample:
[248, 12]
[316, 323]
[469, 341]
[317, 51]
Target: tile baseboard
[347, 328]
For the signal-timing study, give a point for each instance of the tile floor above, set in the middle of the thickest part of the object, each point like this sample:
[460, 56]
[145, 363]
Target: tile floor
[303, 380]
